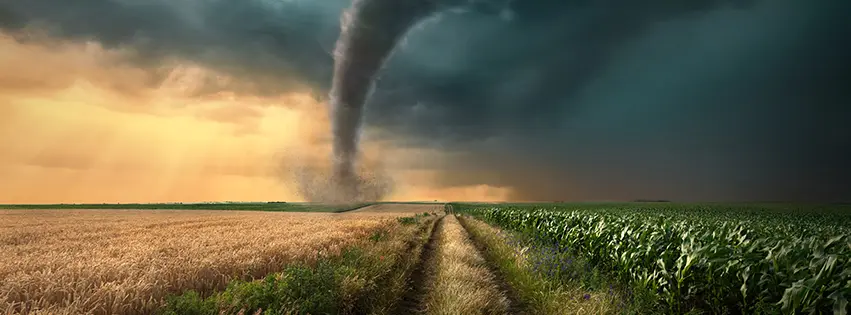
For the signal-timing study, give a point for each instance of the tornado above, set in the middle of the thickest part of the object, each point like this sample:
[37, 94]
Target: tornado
[369, 31]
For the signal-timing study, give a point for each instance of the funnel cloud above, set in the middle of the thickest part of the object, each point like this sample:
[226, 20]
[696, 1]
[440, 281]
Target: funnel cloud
[369, 31]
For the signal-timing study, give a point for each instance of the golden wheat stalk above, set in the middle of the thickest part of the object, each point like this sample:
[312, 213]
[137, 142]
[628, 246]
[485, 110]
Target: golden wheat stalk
[127, 262]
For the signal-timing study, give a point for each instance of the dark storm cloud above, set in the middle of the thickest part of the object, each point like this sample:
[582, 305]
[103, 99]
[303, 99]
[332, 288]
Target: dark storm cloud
[620, 100]
[278, 44]
[558, 100]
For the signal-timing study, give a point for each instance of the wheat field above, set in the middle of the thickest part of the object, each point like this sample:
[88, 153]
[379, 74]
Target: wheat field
[127, 261]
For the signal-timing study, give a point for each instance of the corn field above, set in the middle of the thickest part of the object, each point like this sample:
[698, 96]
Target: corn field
[706, 258]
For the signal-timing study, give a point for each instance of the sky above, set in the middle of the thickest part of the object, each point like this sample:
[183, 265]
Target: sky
[534, 100]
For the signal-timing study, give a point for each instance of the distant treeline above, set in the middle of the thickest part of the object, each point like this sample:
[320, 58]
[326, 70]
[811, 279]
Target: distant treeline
[636, 200]
[246, 206]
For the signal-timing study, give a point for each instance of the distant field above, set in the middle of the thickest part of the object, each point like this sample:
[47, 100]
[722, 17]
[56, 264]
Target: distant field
[761, 206]
[246, 206]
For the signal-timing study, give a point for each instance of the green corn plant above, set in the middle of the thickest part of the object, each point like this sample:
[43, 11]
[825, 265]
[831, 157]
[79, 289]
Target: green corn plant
[721, 259]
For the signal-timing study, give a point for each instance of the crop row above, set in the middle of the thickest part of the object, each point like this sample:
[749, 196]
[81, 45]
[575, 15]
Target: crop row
[720, 264]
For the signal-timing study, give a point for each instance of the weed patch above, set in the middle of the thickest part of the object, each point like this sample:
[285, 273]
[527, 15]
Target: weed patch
[527, 271]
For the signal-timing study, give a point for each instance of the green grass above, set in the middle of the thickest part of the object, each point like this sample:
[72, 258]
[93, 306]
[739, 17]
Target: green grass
[298, 289]
[703, 258]
[528, 270]
[243, 206]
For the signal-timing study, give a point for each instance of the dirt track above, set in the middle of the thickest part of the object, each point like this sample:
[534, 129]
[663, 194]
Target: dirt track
[398, 208]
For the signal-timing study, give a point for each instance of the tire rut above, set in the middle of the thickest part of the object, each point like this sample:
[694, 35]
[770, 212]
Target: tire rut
[412, 299]
[515, 306]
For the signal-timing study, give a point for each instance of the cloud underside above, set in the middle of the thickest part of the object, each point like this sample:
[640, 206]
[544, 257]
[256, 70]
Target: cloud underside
[705, 100]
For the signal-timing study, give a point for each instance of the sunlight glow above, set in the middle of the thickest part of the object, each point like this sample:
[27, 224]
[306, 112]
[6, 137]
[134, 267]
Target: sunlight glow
[79, 125]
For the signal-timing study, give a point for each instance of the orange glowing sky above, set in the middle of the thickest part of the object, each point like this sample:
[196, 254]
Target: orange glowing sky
[80, 124]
